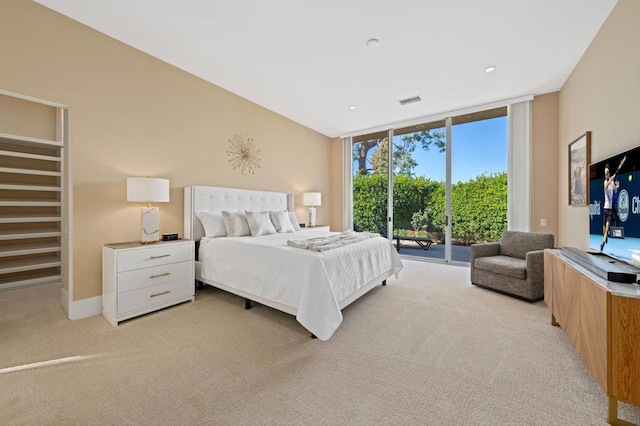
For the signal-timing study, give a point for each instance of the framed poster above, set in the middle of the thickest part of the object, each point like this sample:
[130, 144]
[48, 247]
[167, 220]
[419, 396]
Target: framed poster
[579, 158]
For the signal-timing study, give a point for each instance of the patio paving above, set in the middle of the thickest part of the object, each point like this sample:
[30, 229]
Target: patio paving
[436, 251]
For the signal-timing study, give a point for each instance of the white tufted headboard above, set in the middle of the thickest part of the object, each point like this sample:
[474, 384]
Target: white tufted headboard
[215, 199]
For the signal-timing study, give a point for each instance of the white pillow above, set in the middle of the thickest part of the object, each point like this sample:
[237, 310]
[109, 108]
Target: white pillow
[236, 224]
[213, 224]
[281, 221]
[259, 223]
[294, 221]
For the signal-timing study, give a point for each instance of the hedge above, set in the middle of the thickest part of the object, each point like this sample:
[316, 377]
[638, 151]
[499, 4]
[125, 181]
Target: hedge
[479, 206]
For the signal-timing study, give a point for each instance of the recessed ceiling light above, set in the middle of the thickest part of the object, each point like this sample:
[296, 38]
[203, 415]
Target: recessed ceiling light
[352, 107]
[372, 43]
[490, 68]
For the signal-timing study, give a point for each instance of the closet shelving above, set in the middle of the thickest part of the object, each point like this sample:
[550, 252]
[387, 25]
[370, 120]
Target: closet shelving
[31, 205]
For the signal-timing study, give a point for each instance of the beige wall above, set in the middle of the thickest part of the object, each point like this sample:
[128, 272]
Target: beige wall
[133, 115]
[337, 187]
[26, 118]
[544, 171]
[602, 95]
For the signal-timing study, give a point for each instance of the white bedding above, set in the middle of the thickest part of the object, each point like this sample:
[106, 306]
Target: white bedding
[312, 283]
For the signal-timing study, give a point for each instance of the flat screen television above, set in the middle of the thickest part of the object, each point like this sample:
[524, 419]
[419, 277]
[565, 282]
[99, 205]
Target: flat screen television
[622, 241]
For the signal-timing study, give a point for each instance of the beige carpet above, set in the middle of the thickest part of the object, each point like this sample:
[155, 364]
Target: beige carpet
[427, 349]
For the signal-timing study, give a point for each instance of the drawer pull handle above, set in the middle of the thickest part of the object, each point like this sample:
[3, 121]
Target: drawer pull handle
[161, 294]
[160, 275]
[160, 256]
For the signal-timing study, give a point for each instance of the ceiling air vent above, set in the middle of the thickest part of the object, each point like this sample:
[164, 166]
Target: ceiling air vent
[410, 100]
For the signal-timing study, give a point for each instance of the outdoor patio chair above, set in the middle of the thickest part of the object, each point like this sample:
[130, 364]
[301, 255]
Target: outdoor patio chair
[424, 242]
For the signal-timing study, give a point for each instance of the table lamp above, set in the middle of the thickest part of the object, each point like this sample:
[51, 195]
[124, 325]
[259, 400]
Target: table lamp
[312, 199]
[148, 190]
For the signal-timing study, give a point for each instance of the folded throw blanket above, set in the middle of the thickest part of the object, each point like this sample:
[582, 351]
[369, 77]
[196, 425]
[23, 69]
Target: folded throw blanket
[331, 241]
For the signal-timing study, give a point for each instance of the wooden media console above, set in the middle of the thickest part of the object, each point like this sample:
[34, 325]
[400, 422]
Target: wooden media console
[601, 319]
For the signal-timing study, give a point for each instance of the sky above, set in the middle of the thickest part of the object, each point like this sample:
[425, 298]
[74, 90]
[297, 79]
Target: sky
[478, 147]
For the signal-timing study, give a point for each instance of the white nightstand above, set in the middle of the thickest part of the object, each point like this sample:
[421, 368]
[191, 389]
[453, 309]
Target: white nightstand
[138, 278]
[324, 228]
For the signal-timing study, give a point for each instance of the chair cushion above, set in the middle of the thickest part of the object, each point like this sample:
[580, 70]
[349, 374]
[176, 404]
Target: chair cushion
[519, 243]
[503, 265]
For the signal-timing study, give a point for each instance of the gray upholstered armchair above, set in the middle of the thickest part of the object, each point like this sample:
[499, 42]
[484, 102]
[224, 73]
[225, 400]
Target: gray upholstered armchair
[514, 266]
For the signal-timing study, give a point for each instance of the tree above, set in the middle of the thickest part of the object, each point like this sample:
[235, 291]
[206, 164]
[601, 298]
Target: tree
[403, 162]
[360, 152]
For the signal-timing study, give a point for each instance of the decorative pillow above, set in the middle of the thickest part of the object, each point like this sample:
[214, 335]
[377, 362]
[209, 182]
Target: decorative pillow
[236, 224]
[294, 221]
[213, 224]
[281, 221]
[259, 223]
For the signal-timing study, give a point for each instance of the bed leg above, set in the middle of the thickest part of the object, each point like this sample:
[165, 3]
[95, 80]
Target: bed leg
[247, 304]
[313, 336]
[384, 282]
[199, 285]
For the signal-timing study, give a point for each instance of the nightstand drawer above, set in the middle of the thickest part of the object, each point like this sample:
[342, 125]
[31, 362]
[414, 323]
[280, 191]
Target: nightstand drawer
[138, 300]
[152, 256]
[140, 278]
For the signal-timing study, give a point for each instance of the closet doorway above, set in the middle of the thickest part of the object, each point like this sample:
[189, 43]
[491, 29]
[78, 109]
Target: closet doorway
[34, 193]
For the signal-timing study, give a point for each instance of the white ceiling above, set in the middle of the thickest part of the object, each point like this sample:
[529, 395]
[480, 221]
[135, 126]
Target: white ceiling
[308, 60]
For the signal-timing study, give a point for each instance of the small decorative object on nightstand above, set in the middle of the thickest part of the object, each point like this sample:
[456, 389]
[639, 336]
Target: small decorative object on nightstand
[139, 278]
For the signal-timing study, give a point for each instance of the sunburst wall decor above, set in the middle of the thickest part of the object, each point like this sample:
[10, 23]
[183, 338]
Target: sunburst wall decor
[244, 154]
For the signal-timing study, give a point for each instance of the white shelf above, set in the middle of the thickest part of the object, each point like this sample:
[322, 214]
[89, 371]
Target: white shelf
[29, 218]
[29, 171]
[30, 203]
[29, 264]
[27, 140]
[24, 249]
[22, 187]
[6, 284]
[20, 234]
[18, 154]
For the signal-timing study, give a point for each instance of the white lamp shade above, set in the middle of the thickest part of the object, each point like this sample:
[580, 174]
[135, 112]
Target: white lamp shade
[146, 189]
[312, 199]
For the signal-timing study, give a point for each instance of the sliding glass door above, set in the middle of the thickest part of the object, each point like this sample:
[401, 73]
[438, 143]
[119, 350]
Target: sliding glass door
[419, 201]
[370, 182]
[478, 180]
[448, 180]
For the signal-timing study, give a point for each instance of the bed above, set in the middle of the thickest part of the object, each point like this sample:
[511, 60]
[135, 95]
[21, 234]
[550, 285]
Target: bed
[312, 286]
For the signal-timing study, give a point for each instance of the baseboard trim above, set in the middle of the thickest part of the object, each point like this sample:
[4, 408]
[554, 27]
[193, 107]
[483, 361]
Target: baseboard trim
[64, 298]
[80, 309]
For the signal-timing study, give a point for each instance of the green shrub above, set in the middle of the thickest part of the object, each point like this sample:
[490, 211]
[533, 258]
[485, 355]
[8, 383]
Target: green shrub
[420, 219]
[479, 206]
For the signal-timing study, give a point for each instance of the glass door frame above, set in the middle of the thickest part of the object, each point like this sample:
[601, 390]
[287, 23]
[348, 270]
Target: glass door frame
[447, 193]
[518, 152]
[390, 183]
[389, 218]
[448, 252]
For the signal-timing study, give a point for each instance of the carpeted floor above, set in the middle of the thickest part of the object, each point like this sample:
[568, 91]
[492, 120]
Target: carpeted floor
[427, 349]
